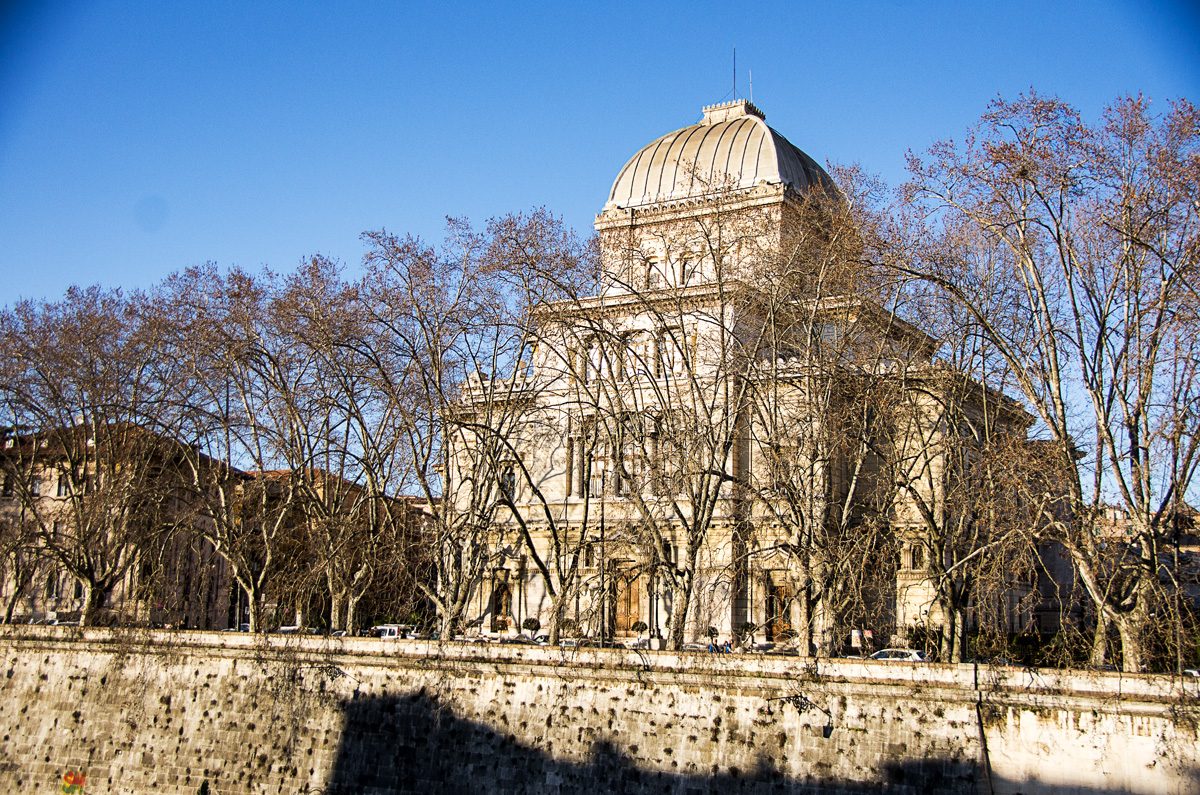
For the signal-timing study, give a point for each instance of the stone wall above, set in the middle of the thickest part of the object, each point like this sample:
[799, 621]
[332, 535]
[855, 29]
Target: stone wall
[156, 712]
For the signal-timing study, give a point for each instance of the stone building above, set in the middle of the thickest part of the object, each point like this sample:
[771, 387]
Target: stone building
[117, 522]
[735, 423]
[98, 518]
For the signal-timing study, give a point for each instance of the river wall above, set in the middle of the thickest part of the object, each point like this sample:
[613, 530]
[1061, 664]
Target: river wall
[114, 711]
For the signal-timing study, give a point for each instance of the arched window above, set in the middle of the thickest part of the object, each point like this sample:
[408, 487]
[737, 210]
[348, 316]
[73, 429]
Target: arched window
[917, 556]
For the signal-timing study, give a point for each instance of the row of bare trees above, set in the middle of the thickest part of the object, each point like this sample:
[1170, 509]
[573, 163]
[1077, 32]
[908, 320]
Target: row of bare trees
[1068, 253]
[221, 413]
[984, 387]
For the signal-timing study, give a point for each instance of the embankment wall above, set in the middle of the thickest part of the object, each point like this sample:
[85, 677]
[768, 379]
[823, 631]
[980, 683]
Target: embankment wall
[161, 712]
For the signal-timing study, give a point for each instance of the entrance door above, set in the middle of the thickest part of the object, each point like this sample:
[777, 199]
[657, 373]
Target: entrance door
[628, 602]
[779, 608]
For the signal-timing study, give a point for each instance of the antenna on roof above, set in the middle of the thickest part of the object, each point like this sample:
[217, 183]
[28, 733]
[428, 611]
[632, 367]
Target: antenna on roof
[735, 72]
[751, 71]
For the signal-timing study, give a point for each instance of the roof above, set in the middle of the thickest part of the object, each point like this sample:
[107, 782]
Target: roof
[731, 141]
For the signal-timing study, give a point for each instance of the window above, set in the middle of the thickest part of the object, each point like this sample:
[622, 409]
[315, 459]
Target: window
[667, 360]
[64, 485]
[916, 556]
[594, 362]
[676, 351]
[569, 474]
[784, 466]
[687, 271]
[599, 479]
[9, 485]
[35, 485]
[637, 354]
[654, 274]
[633, 435]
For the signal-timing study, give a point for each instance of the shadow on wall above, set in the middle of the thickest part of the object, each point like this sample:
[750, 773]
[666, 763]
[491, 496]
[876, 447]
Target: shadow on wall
[417, 744]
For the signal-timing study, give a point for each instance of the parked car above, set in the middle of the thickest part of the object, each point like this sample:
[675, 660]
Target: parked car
[390, 631]
[900, 655]
[520, 640]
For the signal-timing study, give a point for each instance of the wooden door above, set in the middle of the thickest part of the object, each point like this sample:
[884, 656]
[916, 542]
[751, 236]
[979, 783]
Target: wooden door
[779, 609]
[628, 602]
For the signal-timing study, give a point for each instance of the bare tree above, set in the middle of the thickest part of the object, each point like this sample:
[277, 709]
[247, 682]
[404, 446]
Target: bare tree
[664, 371]
[20, 555]
[439, 327]
[544, 270]
[821, 389]
[83, 378]
[235, 417]
[1074, 249]
[344, 440]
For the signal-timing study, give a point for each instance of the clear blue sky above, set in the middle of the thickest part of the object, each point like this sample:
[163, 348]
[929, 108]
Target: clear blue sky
[139, 138]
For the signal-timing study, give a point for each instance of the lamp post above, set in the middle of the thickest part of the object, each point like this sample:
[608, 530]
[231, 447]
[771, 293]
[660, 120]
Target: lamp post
[603, 560]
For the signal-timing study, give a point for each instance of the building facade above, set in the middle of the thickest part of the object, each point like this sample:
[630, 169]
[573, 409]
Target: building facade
[734, 437]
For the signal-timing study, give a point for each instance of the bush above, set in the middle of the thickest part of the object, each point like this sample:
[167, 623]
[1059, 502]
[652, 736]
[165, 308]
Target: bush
[640, 626]
[531, 624]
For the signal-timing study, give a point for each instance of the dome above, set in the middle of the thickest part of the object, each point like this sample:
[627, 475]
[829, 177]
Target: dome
[732, 139]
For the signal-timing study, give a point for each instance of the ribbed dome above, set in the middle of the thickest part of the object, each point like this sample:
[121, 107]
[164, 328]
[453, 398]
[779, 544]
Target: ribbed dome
[732, 139]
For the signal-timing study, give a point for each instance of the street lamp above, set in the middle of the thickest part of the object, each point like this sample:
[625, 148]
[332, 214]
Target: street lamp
[603, 560]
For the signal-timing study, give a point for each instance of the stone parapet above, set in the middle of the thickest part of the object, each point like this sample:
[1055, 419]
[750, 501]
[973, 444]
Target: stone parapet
[151, 711]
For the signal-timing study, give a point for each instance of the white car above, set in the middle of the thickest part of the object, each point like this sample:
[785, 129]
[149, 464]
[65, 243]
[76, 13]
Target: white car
[900, 655]
[390, 631]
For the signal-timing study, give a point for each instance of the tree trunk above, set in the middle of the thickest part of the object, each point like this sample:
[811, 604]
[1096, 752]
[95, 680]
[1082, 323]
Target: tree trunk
[680, 597]
[451, 621]
[1131, 629]
[1099, 639]
[557, 608]
[805, 634]
[256, 610]
[93, 599]
[337, 602]
[350, 615]
[1131, 646]
[10, 606]
[959, 650]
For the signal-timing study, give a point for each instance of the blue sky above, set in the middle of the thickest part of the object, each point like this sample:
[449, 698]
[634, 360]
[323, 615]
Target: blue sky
[139, 138]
